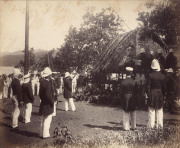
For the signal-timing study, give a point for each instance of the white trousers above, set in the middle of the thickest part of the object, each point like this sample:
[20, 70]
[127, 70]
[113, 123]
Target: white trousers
[155, 114]
[55, 104]
[60, 89]
[71, 102]
[1, 95]
[38, 87]
[74, 87]
[129, 118]
[28, 111]
[16, 112]
[33, 88]
[45, 126]
[5, 92]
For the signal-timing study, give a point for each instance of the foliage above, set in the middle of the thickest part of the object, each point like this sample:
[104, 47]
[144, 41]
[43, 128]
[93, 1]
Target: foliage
[143, 137]
[82, 47]
[62, 135]
[31, 60]
[163, 17]
[45, 60]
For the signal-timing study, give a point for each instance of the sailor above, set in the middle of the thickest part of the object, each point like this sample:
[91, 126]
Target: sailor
[156, 90]
[171, 61]
[47, 103]
[28, 97]
[68, 92]
[129, 100]
[17, 97]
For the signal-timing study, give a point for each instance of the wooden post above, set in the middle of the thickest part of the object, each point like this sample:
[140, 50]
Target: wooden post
[26, 57]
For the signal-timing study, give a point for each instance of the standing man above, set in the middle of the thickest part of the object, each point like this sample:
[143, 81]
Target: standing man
[17, 97]
[156, 90]
[68, 92]
[28, 97]
[129, 100]
[171, 90]
[171, 61]
[47, 103]
[146, 60]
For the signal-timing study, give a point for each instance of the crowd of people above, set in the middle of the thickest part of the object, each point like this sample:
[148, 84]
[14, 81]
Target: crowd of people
[158, 84]
[47, 85]
[156, 81]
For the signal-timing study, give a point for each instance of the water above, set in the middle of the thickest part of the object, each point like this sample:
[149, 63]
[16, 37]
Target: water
[6, 70]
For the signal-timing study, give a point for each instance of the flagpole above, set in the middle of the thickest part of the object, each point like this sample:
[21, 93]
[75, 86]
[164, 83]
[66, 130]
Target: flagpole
[26, 56]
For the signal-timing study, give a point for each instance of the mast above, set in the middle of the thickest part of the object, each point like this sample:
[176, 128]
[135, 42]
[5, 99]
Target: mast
[26, 56]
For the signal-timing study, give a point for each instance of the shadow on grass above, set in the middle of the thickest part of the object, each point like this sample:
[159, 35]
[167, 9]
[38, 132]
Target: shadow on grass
[104, 127]
[5, 125]
[115, 123]
[25, 133]
[60, 109]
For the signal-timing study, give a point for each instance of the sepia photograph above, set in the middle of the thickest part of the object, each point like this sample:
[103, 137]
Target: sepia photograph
[89, 73]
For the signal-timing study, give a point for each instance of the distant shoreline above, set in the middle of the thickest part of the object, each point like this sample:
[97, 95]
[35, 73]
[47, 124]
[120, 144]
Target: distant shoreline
[6, 69]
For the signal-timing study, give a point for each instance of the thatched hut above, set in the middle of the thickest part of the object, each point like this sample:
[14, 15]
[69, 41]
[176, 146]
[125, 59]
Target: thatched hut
[123, 51]
[118, 53]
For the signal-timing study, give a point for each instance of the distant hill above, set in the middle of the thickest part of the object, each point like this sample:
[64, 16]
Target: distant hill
[13, 58]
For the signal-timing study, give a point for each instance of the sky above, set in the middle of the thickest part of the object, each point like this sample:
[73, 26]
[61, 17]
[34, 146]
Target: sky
[49, 21]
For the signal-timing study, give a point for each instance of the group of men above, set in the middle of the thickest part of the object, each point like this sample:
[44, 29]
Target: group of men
[5, 86]
[23, 97]
[155, 82]
[158, 86]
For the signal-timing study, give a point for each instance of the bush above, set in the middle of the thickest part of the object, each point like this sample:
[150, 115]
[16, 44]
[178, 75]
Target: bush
[167, 137]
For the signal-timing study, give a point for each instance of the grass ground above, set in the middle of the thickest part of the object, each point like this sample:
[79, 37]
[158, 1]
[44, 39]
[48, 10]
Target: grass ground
[90, 126]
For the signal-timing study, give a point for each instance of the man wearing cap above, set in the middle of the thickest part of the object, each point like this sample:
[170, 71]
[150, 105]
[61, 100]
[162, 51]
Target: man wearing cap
[47, 103]
[171, 61]
[28, 97]
[156, 89]
[146, 60]
[68, 92]
[17, 97]
[129, 100]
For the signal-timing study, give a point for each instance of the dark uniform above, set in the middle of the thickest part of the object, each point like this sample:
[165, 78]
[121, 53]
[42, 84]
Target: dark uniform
[17, 99]
[47, 103]
[156, 90]
[171, 61]
[67, 87]
[28, 99]
[68, 92]
[47, 98]
[129, 102]
[171, 91]
[162, 61]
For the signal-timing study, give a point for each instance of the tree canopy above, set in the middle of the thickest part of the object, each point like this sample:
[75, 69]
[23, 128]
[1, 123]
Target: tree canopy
[163, 17]
[83, 46]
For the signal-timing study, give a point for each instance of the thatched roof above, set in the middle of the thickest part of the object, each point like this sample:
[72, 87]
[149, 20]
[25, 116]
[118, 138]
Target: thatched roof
[118, 52]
